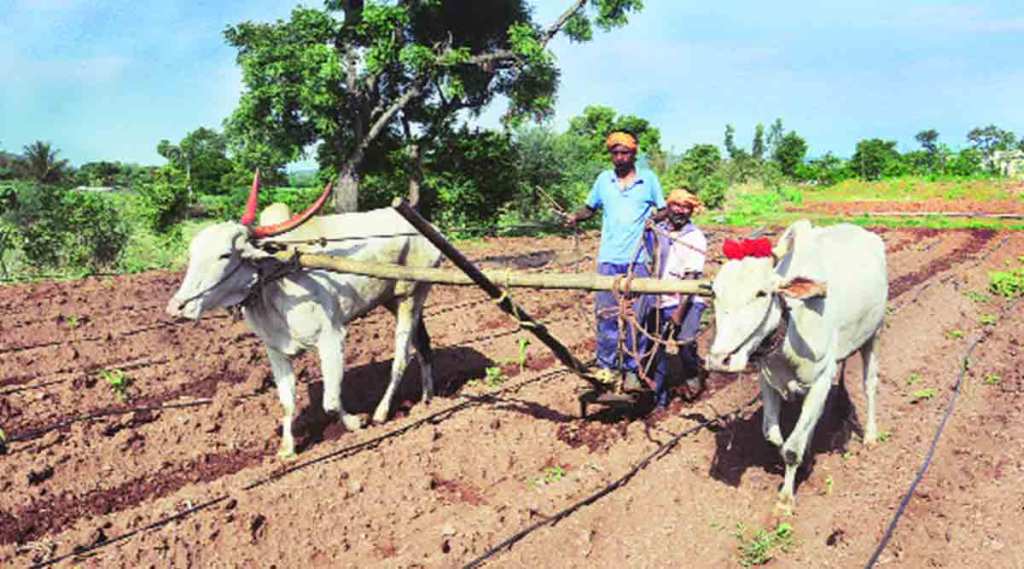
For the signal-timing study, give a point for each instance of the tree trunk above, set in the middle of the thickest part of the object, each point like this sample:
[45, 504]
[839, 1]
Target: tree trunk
[346, 190]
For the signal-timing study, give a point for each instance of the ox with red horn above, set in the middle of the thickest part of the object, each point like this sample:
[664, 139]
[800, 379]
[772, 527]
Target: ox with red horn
[264, 231]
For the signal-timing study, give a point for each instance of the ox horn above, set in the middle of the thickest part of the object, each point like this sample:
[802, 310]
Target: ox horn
[250, 204]
[264, 231]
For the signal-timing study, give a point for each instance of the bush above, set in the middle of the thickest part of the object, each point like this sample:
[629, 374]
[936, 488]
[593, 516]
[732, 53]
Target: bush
[164, 199]
[60, 229]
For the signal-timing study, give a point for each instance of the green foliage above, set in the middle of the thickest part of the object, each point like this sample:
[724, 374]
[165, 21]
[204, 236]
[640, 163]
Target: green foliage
[988, 319]
[992, 379]
[119, 382]
[699, 170]
[875, 158]
[202, 156]
[923, 394]
[40, 163]
[597, 122]
[763, 545]
[523, 343]
[954, 334]
[913, 378]
[164, 199]
[991, 138]
[1008, 284]
[60, 229]
[494, 377]
[362, 80]
[976, 296]
[550, 475]
[789, 153]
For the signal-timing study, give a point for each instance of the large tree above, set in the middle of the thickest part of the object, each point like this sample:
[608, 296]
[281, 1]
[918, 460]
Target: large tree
[202, 156]
[358, 79]
[874, 158]
[790, 152]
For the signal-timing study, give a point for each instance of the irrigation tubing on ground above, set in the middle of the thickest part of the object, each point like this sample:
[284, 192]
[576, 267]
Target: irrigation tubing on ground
[349, 450]
[957, 388]
[659, 452]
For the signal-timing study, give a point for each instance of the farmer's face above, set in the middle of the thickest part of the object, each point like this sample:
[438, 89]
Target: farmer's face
[680, 209]
[622, 157]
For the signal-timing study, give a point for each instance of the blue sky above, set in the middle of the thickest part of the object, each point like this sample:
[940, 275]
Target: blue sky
[107, 79]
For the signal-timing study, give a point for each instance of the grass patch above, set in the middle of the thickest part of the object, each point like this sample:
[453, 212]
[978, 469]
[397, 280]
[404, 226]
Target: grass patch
[763, 545]
[912, 188]
[913, 378]
[954, 334]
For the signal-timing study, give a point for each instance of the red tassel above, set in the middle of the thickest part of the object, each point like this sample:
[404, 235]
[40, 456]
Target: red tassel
[744, 248]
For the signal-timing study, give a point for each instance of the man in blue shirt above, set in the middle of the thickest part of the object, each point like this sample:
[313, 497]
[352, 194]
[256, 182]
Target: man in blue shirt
[627, 197]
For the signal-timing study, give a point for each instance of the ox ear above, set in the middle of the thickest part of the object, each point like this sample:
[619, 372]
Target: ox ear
[803, 288]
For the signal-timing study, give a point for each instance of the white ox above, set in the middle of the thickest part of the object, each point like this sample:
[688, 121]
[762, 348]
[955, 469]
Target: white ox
[294, 310]
[832, 283]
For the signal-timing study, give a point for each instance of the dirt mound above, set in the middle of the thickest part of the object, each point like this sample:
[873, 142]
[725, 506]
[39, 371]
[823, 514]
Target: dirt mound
[179, 469]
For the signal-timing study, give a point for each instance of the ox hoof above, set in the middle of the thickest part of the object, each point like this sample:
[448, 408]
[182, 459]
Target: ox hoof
[380, 416]
[352, 422]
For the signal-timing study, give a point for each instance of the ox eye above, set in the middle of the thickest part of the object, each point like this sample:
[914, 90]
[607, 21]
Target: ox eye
[225, 256]
[761, 294]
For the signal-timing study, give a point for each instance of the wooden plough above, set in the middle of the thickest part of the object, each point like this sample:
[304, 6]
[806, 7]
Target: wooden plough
[467, 274]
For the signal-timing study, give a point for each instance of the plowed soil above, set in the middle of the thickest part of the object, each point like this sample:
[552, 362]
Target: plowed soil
[933, 205]
[180, 469]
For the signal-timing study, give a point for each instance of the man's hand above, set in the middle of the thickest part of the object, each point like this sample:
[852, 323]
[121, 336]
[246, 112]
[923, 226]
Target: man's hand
[678, 313]
[569, 220]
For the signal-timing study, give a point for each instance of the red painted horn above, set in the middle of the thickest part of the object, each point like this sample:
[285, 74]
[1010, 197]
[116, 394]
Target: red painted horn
[250, 205]
[264, 231]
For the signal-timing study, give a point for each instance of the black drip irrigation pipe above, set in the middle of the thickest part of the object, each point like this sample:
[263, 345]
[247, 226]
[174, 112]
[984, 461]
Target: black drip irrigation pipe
[344, 452]
[661, 451]
[957, 388]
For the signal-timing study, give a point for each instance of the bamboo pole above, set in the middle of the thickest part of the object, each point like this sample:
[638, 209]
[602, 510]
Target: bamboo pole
[501, 297]
[507, 279]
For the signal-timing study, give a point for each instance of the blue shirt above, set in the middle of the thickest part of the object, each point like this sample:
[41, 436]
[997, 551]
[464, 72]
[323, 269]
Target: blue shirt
[623, 213]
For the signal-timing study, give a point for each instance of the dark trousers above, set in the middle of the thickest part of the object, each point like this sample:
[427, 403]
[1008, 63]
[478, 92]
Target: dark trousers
[607, 313]
[687, 334]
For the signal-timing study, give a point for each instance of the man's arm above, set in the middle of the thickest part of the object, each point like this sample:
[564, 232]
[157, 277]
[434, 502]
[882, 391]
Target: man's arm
[582, 214]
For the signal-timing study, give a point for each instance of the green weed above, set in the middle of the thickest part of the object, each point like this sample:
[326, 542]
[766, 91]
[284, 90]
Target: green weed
[955, 334]
[992, 379]
[524, 343]
[549, 475]
[829, 485]
[763, 545]
[976, 296]
[119, 382]
[988, 319]
[1008, 284]
[924, 394]
[884, 436]
[913, 378]
[73, 321]
[494, 377]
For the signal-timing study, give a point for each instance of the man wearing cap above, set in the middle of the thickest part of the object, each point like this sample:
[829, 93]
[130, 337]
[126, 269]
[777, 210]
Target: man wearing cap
[626, 196]
[681, 249]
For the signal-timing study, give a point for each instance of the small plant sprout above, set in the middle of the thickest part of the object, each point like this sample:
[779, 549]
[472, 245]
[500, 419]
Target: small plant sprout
[119, 382]
[923, 394]
[764, 545]
[913, 378]
[955, 334]
[992, 379]
[73, 321]
[829, 485]
[884, 436]
[1007, 284]
[549, 475]
[988, 319]
[976, 296]
[494, 377]
[523, 343]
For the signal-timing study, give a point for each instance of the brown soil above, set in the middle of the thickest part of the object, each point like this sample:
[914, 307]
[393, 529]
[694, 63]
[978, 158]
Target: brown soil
[933, 205]
[184, 473]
